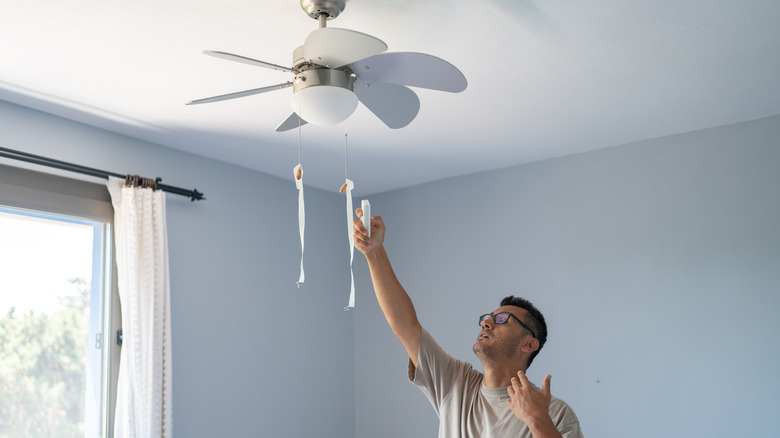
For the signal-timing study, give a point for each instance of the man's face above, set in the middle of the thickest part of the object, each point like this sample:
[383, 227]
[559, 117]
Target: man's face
[501, 340]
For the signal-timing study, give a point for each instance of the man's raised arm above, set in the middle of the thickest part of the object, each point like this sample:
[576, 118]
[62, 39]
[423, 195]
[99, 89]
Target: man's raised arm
[393, 299]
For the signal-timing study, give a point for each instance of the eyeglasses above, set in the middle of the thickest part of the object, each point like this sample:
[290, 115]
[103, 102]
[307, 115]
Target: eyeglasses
[503, 318]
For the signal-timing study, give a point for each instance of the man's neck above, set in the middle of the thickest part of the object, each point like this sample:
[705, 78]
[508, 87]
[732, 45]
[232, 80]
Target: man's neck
[500, 375]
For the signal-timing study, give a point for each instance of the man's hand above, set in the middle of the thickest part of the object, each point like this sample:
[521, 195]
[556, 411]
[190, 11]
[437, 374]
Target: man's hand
[362, 242]
[532, 406]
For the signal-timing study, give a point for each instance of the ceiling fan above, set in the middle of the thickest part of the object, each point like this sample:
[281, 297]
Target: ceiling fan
[336, 68]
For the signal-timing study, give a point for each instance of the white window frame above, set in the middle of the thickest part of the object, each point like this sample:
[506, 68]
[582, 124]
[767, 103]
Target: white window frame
[26, 189]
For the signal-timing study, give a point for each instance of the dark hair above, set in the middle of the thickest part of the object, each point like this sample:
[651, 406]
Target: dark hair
[536, 323]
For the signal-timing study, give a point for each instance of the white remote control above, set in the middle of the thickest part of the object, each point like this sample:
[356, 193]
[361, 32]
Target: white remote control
[366, 206]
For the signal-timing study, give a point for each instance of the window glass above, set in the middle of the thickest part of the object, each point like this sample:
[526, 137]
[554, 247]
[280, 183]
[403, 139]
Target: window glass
[53, 352]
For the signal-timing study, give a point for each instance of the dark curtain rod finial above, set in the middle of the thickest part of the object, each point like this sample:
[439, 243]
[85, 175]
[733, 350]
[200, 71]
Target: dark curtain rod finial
[197, 196]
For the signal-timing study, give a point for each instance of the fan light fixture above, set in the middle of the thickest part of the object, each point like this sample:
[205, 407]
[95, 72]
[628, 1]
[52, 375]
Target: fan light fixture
[324, 105]
[337, 68]
[323, 96]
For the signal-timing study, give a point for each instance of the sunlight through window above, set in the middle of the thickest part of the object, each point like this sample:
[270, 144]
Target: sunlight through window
[52, 348]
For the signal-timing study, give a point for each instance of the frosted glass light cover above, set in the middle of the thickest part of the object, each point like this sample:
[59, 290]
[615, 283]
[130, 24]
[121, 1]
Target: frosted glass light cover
[324, 105]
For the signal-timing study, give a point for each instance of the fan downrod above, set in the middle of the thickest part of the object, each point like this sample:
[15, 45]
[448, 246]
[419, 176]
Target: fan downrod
[330, 9]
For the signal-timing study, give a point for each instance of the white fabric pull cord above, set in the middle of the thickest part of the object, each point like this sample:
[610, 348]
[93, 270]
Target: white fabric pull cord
[351, 237]
[298, 171]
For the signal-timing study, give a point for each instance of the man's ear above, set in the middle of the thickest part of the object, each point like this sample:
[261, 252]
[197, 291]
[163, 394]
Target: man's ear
[531, 346]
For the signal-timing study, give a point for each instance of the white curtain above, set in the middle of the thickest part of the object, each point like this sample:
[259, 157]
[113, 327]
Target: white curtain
[144, 398]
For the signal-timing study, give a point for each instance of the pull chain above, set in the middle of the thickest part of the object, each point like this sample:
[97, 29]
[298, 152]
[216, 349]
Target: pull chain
[299, 132]
[347, 182]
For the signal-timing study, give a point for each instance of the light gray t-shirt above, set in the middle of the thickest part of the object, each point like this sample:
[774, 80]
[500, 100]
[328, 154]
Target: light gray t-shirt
[469, 409]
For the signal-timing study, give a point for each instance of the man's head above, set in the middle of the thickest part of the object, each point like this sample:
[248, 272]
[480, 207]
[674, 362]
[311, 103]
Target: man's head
[535, 321]
[517, 328]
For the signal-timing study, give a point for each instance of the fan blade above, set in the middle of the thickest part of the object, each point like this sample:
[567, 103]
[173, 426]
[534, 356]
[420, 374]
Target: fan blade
[412, 69]
[333, 47]
[240, 94]
[290, 122]
[250, 61]
[395, 105]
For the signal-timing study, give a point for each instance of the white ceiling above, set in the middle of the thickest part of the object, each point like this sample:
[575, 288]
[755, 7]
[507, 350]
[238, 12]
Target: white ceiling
[546, 77]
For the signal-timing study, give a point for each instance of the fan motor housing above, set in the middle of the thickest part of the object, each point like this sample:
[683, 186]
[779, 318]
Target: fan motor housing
[312, 75]
[317, 76]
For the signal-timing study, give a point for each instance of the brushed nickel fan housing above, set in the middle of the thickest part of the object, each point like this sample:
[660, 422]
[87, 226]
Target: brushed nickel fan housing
[323, 76]
[312, 75]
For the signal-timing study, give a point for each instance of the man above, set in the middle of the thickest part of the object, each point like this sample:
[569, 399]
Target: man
[497, 404]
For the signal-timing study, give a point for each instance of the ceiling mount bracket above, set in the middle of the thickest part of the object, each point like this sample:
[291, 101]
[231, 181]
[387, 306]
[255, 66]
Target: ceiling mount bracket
[329, 9]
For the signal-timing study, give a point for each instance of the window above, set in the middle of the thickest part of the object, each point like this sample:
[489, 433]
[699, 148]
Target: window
[59, 313]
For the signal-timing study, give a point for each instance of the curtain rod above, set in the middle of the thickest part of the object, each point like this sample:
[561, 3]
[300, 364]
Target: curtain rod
[193, 194]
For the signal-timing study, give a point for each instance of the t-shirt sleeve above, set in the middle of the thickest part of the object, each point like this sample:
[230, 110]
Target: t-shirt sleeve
[437, 373]
[565, 419]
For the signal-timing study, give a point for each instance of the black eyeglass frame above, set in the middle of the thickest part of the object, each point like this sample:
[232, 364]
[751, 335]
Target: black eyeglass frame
[485, 316]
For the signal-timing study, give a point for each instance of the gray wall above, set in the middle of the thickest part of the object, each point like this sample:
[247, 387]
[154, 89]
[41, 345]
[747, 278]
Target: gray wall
[656, 264]
[253, 355]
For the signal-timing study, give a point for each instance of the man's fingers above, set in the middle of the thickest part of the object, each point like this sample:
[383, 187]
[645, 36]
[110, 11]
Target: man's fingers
[358, 224]
[546, 385]
[523, 379]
